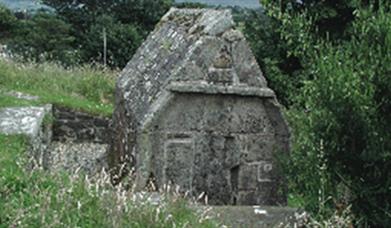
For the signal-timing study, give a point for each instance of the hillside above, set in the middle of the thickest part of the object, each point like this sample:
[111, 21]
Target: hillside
[82, 88]
[18, 5]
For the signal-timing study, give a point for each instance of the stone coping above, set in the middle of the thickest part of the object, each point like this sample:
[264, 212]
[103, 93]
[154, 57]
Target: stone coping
[203, 87]
[22, 120]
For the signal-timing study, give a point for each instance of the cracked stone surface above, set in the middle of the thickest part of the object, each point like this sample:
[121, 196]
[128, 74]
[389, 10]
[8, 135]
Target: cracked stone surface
[22, 120]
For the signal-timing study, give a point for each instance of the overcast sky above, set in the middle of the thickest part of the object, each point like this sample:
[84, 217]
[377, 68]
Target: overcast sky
[21, 4]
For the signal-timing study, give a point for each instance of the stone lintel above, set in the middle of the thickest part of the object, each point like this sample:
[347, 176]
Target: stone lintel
[186, 87]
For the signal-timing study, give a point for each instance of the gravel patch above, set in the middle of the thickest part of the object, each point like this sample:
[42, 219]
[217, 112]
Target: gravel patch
[86, 157]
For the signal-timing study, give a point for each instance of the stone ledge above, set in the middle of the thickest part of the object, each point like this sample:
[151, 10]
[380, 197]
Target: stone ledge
[22, 120]
[202, 87]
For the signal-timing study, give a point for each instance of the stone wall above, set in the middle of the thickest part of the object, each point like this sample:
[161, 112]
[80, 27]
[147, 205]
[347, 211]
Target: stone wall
[70, 125]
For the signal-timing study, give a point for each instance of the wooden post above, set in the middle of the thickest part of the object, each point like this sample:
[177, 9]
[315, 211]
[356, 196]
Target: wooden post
[104, 47]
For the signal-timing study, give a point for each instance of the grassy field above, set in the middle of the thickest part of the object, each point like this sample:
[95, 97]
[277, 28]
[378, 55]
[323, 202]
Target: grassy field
[83, 88]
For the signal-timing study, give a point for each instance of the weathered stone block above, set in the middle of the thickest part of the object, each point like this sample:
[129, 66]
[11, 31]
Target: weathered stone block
[71, 125]
[29, 121]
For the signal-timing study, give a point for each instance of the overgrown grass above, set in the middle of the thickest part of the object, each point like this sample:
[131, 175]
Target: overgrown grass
[82, 88]
[39, 199]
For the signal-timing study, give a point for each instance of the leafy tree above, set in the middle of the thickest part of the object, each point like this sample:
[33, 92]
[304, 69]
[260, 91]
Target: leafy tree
[340, 109]
[330, 17]
[44, 37]
[127, 22]
[277, 34]
[143, 13]
[122, 41]
[7, 22]
[271, 52]
[194, 5]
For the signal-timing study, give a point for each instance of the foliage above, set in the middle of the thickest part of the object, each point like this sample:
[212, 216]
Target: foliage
[35, 198]
[122, 40]
[330, 18]
[264, 35]
[193, 5]
[127, 23]
[82, 88]
[341, 151]
[73, 34]
[287, 29]
[44, 37]
[7, 22]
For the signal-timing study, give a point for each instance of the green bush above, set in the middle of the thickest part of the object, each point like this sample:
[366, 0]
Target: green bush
[340, 111]
[44, 37]
[122, 41]
[7, 22]
[126, 22]
[271, 51]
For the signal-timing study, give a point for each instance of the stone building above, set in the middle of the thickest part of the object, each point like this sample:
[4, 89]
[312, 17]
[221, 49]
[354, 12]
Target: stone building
[193, 109]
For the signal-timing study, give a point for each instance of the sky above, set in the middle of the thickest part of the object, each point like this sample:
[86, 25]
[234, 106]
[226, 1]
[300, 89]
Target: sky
[21, 4]
[33, 4]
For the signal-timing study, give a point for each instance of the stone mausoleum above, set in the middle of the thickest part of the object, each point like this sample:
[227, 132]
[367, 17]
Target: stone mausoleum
[193, 109]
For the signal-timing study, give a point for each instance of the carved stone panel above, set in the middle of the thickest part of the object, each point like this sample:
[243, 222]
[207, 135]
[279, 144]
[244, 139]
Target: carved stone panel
[178, 160]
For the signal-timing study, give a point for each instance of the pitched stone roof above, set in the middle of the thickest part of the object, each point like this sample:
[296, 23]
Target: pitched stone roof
[191, 50]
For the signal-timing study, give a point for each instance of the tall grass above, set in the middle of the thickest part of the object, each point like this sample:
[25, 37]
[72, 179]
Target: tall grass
[84, 88]
[39, 199]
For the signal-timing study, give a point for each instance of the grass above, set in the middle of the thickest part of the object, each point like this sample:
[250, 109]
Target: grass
[9, 101]
[39, 199]
[83, 88]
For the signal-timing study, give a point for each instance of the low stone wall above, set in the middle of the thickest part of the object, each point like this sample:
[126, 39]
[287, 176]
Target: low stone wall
[70, 125]
[30, 122]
